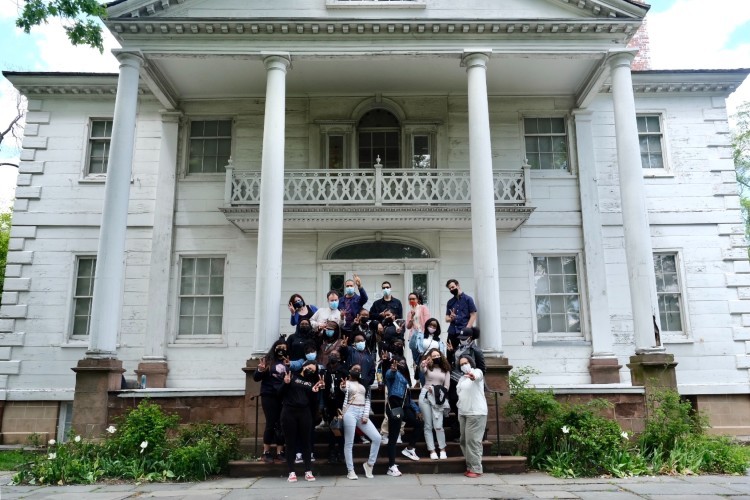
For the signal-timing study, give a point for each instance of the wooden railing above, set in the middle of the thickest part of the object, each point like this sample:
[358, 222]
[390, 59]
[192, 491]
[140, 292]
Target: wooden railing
[377, 186]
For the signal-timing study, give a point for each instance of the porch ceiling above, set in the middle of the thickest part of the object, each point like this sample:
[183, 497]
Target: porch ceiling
[233, 76]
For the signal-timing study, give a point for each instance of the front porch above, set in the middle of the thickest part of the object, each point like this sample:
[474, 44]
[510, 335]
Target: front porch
[388, 198]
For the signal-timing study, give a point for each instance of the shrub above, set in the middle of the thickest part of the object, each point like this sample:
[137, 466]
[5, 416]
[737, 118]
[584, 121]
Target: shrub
[142, 447]
[669, 419]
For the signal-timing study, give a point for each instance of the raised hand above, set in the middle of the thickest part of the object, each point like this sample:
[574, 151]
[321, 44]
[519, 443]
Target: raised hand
[288, 377]
[342, 385]
[345, 341]
[286, 361]
[291, 308]
[262, 366]
[357, 281]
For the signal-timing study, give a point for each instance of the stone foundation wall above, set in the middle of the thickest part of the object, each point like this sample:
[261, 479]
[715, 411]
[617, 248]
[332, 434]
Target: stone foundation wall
[728, 414]
[191, 409]
[23, 419]
[629, 410]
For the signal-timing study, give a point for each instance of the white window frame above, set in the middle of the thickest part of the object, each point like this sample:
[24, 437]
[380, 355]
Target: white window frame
[197, 339]
[569, 142]
[330, 128]
[86, 175]
[675, 337]
[666, 171]
[185, 149]
[543, 337]
[70, 336]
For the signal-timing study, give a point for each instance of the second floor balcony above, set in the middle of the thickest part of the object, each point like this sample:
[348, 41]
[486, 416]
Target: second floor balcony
[377, 198]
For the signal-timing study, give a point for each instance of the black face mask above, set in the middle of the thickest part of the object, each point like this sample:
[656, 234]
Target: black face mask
[310, 375]
[305, 329]
[298, 304]
[280, 353]
[333, 361]
[355, 374]
[388, 321]
[454, 292]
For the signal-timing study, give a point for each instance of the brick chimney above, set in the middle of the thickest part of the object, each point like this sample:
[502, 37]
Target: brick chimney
[640, 41]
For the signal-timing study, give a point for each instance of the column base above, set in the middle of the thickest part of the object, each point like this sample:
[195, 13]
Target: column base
[253, 419]
[605, 370]
[95, 378]
[653, 371]
[497, 378]
[155, 372]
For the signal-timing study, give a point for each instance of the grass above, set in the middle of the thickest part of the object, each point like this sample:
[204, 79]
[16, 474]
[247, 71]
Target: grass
[11, 459]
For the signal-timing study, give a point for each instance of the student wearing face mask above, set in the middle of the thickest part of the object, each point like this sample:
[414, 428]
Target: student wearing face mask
[460, 312]
[467, 346]
[388, 301]
[358, 354]
[415, 323]
[432, 399]
[397, 383]
[299, 309]
[356, 410]
[472, 414]
[329, 313]
[299, 341]
[330, 341]
[298, 395]
[351, 303]
[270, 373]
[333, 400]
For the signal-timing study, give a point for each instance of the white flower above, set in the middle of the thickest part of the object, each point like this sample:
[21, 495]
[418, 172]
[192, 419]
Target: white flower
[77, 439]
[111, 429]
[52, 456]
[625, 435]
[144, 445]
[52, 442]
[565, 429]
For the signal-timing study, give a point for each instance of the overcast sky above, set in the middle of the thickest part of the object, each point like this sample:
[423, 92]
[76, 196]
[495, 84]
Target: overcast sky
[685, 34]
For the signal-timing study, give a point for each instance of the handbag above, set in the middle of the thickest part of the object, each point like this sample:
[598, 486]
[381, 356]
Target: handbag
[337, 424]
[398, 412]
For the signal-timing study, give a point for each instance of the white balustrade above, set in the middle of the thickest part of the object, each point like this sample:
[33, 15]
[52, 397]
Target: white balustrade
[378, 186]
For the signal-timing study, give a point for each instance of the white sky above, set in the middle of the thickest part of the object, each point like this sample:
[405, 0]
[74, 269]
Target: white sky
[684, 34]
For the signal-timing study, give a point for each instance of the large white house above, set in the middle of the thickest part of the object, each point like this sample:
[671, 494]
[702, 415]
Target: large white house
[252, 149]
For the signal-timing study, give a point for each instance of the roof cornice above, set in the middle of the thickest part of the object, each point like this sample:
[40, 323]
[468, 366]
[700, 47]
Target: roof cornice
[714, 81]
[47, 84]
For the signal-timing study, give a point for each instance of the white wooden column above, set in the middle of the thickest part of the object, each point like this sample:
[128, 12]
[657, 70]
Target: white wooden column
[638, 251]
[483, 227]
[593, 240]
[162, 237]
[271, 217]
[110, 259]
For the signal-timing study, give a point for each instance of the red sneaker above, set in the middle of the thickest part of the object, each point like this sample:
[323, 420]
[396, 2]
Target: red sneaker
[471, 474]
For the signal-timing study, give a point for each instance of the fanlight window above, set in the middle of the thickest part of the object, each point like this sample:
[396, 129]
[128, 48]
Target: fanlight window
[379, 136]
[379, 250]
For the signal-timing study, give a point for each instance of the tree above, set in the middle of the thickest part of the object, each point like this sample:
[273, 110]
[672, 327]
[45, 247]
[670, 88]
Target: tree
[81, 18]
[741, 155]
[5, 220]
[10, 136]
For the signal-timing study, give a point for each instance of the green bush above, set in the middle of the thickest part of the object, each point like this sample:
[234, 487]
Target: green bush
[145, 445]
[669, 419]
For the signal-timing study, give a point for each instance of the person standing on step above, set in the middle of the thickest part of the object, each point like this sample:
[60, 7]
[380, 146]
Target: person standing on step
[351, 303]
[299, 309]
[325, 314]
[270, 373]
[460, 313]
[333, 400]
[356, 410]
[401, 408]
[472, 414]
[433, 397]
[388, 301]
[298, 396]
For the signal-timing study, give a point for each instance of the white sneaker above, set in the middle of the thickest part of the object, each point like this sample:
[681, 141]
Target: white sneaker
[322, 425]
[298, 458]
[433, 455]
[365, 440]
[393, 471]
[312, 457]
[351, 475]
[384, 439]
[398, 441]
[410, 453]
[443, 456]
[292, 477]
[368, 470]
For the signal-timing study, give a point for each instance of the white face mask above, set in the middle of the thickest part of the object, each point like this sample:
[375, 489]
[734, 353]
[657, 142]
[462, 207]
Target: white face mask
[466, 368]
[431, 330]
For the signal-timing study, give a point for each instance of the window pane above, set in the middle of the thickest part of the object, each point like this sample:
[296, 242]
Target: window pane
[543, 323]
[200, 325]
[652, 124]
[559, 323]
[419, 285]
[571, 283]
[557, 125]
[542, 305]
[545, 126]
[557, 304]
[225, 128]
[186, 325]
[201, 306]
[641, 121]
[214, 325]
[556, 283]
[336, 151]
[186, 306]
[216, 305]
[530, 126]
[545, 144]
[555, 265]
[81, 325]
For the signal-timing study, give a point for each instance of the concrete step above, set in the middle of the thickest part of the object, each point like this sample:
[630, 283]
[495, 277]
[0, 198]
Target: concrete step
[362, 450]
[454, 465]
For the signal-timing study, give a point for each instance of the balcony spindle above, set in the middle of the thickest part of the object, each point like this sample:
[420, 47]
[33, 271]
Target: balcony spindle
[229, 184]
[378, 182]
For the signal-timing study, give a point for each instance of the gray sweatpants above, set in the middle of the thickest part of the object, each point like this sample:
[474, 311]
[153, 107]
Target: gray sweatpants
[472, 432]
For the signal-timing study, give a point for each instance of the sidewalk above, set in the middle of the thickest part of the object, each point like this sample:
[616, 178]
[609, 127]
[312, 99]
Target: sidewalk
[411, 487]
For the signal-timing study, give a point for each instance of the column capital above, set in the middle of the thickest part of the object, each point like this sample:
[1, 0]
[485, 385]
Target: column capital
[475, 57]
[620, 58]
[276, 60]
[132, 58]
[583, 115]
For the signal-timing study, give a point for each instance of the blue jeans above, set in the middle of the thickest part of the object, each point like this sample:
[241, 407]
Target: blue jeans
[352, 420]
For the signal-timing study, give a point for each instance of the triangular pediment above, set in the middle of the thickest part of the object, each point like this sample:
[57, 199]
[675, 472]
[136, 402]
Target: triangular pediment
[332, 10]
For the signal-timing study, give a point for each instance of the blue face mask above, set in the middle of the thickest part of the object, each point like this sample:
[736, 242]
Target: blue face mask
[310, 356]
[334, 304]
[329, 333]
[349, 290]
[360, 346]
[387, 292]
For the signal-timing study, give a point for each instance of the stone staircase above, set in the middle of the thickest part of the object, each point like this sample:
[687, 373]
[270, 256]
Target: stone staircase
[323, 467]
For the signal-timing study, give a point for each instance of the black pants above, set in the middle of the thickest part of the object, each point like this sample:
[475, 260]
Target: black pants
[272, 410]
[296, 423]
[394, 427]
[453, 402]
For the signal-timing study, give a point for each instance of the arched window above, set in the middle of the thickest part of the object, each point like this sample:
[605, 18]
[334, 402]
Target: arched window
[379, 135]
[379, 250]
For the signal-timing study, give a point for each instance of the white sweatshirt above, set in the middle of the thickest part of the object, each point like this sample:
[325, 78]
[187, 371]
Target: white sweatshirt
[471, 400]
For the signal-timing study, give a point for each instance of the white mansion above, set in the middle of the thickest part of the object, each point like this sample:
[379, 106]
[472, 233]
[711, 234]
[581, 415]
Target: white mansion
[252, 149]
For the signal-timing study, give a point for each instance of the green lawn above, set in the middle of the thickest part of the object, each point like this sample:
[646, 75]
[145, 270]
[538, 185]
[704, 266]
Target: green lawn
[10, 459]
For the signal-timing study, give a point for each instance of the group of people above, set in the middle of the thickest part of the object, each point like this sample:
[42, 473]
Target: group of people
[326, 369]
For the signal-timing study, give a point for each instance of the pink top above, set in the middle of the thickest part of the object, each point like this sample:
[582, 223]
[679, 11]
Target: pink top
[436, 376]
